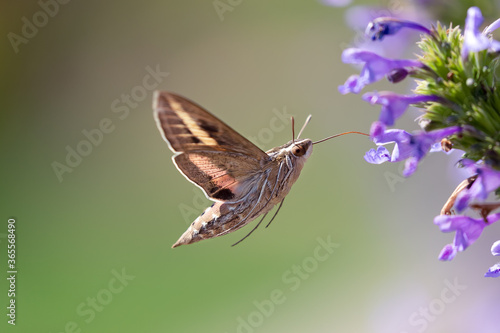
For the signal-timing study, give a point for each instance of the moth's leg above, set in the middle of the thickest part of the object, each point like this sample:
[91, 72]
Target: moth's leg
[241, 240]
[276, 213]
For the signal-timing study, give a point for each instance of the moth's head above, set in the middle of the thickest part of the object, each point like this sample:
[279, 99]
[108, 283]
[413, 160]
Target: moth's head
[300, 149]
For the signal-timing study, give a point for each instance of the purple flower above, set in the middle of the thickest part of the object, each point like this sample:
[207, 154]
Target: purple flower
[467, 230]
[474, 40]
[378, 156]
[409, 147]
[487, 181]
[374, 69]
[494, 270]
[383, 26]
[358, 17]
[394, 105]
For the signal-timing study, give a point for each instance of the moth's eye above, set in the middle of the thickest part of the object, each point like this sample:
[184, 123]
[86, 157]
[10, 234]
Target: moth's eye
[298, 151]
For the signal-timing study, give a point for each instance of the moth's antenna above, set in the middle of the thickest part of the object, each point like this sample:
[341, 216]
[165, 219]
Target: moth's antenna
[293, 130]
[304, 126]
[336, 135]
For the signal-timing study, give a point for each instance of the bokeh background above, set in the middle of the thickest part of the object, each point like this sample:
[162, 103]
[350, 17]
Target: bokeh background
[124, 204]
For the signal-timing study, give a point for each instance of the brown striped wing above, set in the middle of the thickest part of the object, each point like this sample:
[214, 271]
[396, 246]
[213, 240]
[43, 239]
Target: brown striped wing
[208, 152]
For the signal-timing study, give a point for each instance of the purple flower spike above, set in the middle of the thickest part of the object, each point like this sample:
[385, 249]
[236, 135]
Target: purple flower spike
[487, 181]
[474, 40]
[384, 26]
[467, 229]
[394, 105]
[410, 147]
[374, 69]
[378, 156]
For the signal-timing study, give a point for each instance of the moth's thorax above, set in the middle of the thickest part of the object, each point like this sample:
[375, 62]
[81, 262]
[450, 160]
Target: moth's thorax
[288, 161]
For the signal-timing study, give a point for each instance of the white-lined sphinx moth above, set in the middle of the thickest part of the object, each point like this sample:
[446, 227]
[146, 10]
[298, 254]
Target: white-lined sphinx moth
[244, 181]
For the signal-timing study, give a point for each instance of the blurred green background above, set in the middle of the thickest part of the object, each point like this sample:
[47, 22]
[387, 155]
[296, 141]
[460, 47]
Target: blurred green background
[121, 207]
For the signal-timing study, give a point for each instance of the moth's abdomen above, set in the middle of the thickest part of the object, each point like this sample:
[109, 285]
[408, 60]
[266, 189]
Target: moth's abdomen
[215, 221]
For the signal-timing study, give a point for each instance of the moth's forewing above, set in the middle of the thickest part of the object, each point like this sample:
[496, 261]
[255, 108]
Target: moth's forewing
[187, 127]
[208, 152]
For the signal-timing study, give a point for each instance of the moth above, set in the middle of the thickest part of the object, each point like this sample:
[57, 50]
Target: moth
[243, 181]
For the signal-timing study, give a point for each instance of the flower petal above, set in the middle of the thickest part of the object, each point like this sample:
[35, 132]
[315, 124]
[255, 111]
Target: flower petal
[394, 105]
[385, 26]
[353, 84]
[411, 165]
[462, 200]
[378, 156]
[448, 252]
[374, 69]
[495, 248]
[494, 271]
[487, 181]
[467, 229]
[492, 27]
[474, 40]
